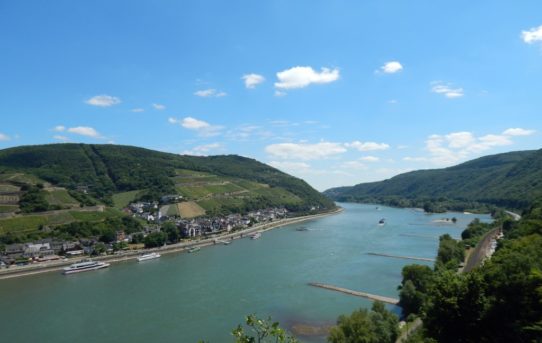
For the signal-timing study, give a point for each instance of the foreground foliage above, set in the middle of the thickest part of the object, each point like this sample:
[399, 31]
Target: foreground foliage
[375, 326]
[501, 301]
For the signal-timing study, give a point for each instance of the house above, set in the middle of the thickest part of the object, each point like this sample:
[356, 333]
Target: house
[14, 250]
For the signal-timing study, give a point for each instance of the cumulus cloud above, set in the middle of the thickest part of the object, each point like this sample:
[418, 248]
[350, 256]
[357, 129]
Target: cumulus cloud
[356, 165]
[59, 128]
[516, 131]
[533, 35]
[61, 138]
[252, 80]
[159, 107]
[288, 166]
[137, 110]
[299, 77]
[211, 92]
[367, 146]
[203, 128]
[445, 89]
[84, 131]
[454, 147]
[103, 100]
[4, 137]
[391, 67]
[203, 150]
[370, 159]
[305, 151]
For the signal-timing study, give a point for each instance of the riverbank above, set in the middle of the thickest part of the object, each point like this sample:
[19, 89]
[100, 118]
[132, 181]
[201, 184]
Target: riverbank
[46, 267]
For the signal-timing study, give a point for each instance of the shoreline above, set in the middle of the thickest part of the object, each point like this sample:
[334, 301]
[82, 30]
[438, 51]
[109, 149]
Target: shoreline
[47, 267]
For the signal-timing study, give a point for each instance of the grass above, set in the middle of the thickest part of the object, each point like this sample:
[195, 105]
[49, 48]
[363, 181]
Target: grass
[60, 197]
[8, 208]
[190, 209]
[198, 192]
[22, 224]
[95, 216]
[22, 178]
[193, 173]
[172, 210]
[121, 200]
[9, 188]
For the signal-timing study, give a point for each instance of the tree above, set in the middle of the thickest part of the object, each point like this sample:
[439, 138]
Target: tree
[262, 331]
[155, 239]
[171, 231]
[363, 326]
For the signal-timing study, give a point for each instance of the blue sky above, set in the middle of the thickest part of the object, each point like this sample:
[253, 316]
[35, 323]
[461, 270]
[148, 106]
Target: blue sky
[334, 92]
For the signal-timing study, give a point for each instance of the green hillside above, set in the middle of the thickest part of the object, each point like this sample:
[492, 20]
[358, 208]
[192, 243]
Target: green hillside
[102, 171]
[510, 180]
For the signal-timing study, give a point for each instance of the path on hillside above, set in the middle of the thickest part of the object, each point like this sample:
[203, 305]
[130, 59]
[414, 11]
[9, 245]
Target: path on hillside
[480, 251]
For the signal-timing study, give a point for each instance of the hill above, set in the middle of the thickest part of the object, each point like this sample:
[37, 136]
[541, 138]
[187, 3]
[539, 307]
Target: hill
[510, 180]
[67, 181]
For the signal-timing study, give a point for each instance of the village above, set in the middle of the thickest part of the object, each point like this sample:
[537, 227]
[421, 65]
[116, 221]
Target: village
[50, 249]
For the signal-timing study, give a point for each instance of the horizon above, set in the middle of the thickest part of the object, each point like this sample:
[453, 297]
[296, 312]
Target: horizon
[353, 93]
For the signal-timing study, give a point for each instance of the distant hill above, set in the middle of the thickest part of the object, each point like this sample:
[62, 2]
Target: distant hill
[510, 180]
[112, 174]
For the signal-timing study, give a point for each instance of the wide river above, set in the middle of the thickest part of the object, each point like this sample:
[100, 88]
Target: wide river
[202, 296]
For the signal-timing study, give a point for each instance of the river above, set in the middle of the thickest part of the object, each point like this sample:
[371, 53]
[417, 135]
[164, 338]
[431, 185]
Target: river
[204, 295]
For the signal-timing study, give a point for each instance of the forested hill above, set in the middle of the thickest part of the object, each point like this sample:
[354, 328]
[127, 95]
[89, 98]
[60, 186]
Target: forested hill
[511, 180]
[109, 169]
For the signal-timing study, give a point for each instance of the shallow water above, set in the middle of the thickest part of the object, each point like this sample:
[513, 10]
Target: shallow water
[188, 297]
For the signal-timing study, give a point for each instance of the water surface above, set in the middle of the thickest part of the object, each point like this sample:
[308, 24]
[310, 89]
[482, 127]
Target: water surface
[188, 297]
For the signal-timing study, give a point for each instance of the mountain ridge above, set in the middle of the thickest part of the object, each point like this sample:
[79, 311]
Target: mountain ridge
[512, 179]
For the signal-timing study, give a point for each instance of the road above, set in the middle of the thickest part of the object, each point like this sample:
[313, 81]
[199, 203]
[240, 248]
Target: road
[480, 251]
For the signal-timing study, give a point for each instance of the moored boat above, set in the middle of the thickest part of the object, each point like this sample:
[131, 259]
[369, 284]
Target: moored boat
[146, 257]
[256, 235]
[194, 249]
[84, 266]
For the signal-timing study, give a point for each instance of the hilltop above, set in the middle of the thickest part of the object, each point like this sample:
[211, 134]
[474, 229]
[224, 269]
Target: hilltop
[61, 183]
[510, 180]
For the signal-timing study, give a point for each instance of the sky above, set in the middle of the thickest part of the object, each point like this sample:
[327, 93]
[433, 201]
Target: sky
[334, 92]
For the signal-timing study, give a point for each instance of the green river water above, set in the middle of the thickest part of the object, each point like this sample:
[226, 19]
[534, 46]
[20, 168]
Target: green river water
[188, 297]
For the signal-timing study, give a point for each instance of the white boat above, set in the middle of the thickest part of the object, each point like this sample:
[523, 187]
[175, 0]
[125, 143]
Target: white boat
[256, 235]
[381, 222]
[146, 257]
[84, 266]
[194, 249]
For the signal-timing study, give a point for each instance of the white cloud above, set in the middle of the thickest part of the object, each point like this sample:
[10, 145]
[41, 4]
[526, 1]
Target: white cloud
[299, 77]
[84, 131]
[370, 159]
[518, 132]
[305, 151]
[61, 138]
[159, 107]
[367, 146]
[279, 93]
[460, 139]
[391, 67]
[103, 100]
[211, 92]
[203, 150]
[252, 80]
[137, 110]
[59, 128]
[4, 137]
[203, 128]
[289, 167]
[458, 146]
[446, 90]
[533, 35]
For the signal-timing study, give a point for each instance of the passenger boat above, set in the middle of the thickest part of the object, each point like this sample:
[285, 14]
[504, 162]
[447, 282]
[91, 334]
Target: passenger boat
[84, 266]
[194, 249]
[146, 257]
